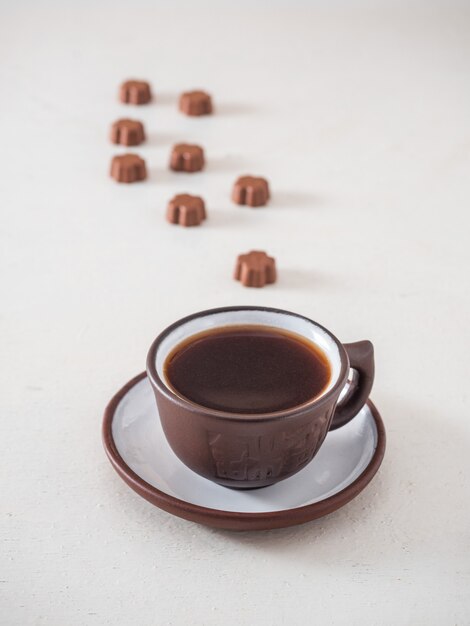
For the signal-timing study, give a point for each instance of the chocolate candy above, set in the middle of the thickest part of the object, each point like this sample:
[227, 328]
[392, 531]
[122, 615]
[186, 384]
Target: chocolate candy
[127, 132]
[196, 103]
[255, 269]
[187, 158]
[186, 210]
[135, 92]
[251, 190]
[128, 168]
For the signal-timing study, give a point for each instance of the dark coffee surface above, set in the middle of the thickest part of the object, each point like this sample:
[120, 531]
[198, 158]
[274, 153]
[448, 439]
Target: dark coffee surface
[247, 369]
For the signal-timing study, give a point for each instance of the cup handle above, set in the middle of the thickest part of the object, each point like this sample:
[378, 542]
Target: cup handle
[361, 358]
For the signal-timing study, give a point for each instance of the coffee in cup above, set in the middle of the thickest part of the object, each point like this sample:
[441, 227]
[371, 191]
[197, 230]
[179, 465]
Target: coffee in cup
[247, 395]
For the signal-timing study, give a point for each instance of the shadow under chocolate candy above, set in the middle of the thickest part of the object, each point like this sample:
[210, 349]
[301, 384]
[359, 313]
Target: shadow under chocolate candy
[234, 108]
[289, 199]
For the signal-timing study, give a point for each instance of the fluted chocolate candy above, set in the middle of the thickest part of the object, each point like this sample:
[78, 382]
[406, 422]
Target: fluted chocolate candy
[128, 168]
[186, 210]
[255, 269]
[187, 158]
[135, 92]
[127, 132]
[196, 103]
[251, 190]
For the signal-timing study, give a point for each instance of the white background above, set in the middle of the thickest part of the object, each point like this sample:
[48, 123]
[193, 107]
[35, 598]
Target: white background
[359, 117]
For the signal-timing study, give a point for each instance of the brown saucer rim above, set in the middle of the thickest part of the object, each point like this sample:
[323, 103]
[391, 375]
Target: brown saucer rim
[233, 520]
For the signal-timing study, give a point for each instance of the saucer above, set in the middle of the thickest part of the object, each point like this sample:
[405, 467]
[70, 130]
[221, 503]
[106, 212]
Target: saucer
[138, 450]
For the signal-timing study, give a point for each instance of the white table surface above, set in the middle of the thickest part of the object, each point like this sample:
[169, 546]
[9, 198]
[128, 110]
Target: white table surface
[360, 120]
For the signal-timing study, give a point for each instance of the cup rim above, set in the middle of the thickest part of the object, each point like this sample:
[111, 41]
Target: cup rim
[189, 405]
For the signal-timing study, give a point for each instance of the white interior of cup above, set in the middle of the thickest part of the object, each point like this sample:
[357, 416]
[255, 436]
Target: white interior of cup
[305, 328]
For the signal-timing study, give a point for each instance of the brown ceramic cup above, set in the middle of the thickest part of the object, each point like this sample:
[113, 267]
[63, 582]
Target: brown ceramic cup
[246, 451]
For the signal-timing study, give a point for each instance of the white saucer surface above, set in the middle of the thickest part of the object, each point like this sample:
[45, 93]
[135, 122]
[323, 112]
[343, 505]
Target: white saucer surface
[139, 438]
